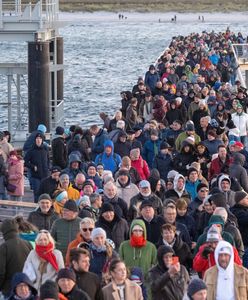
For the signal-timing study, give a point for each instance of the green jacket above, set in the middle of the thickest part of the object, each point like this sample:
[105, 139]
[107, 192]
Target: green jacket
[63, 232]
[144, 257]
[182, 137]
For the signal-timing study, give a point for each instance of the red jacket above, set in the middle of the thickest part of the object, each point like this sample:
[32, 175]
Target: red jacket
[201, 264]
[142, 168]
[217, 167]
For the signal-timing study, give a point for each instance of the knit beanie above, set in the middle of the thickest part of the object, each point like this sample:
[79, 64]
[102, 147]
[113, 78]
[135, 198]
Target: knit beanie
[59, 130]
[42, 128]
[239, 196]
[49, 290]
[200, 186]
[44, 197]
[195, 286]
[213, 234]
[98, 231]
[61, 195]
[71, 205]
[66, 273]
[107, 207]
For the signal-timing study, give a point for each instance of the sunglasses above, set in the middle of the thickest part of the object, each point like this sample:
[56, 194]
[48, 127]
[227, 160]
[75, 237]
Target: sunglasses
[87, 229]
[205, 190]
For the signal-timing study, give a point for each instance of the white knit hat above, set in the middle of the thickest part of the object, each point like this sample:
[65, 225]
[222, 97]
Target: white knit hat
[98, 231]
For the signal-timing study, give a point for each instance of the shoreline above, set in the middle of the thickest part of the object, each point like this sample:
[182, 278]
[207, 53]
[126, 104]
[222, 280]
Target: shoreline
[164, 17]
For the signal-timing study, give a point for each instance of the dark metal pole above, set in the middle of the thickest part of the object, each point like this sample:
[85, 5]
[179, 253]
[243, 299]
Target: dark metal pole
[38, 84]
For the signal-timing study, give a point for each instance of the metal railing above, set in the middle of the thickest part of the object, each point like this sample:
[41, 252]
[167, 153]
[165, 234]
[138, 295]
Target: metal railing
[240, 52]
[45, 12]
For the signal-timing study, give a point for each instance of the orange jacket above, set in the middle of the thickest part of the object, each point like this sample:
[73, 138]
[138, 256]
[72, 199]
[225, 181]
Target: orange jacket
[73, 244]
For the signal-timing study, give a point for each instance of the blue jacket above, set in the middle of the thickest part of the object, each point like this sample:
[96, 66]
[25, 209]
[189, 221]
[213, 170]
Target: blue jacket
[163, 162]
[111, 162]
[191, 188]
[22, 278]
[98, 143]
[151, 79]
[149, 151]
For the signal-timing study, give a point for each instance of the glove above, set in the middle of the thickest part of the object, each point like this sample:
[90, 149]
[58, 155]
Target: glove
[207, 250]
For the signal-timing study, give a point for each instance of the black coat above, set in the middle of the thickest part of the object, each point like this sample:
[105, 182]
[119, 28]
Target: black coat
[48, 185]
[181, 250]
[59, 152]
[77, 294]
[117, 230]
[90, 284]
[241, 213]
[13, 254]
[164, 287]
[39, 157]
[163, 163]
[153, 228]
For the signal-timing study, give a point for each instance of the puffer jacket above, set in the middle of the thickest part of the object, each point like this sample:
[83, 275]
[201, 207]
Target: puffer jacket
[237, 170]
[41, 220]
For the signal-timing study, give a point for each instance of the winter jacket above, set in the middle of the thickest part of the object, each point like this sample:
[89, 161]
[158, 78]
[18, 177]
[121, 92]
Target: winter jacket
[132, 291]
[49, 274]
[11, 261]
[229, 195]
[241, 122]
[110, 162]
[38, 157]
[64, 231]
[191, 188]
[41, 220]
[217, 166]
[136, 201]
[48, 185]
[143, 257]
[182, 137]
[150, 149]
[240, 286]
[90, 284]
[163, 286]
[153, 228]
[132, 115]
[59, 152]
[236, 170]
[16, 176]
[163, 163]
[22, 278]
[73, 244]
[241, 213]
[212, 146]
[151, 80]
[76, 293]
[122, 149]
[189, 222]
[117, 230]
[142, 168]
[98, 144]
[120, 206]
[181, 249]
[126, 192]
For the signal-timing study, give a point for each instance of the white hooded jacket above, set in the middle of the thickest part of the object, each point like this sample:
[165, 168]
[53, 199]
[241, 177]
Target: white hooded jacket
[225, 281]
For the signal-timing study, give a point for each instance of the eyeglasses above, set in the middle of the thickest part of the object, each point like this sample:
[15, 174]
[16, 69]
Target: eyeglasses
[87, 229]
[137, 230]
[205, 190]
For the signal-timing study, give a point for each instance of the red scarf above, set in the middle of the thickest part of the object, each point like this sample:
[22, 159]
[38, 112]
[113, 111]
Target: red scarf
[46, 253]
[137, 241]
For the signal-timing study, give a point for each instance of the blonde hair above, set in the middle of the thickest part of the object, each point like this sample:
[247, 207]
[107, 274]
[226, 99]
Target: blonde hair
[47, 233]
[87, 221]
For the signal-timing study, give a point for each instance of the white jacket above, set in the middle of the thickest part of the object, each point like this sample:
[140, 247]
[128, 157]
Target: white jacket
[241, 122]
[34, 260]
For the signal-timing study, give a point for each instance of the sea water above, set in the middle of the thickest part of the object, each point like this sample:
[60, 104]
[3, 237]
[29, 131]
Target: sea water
[104, 56]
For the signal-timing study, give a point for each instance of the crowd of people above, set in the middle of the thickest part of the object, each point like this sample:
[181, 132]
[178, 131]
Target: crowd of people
[151, 205]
